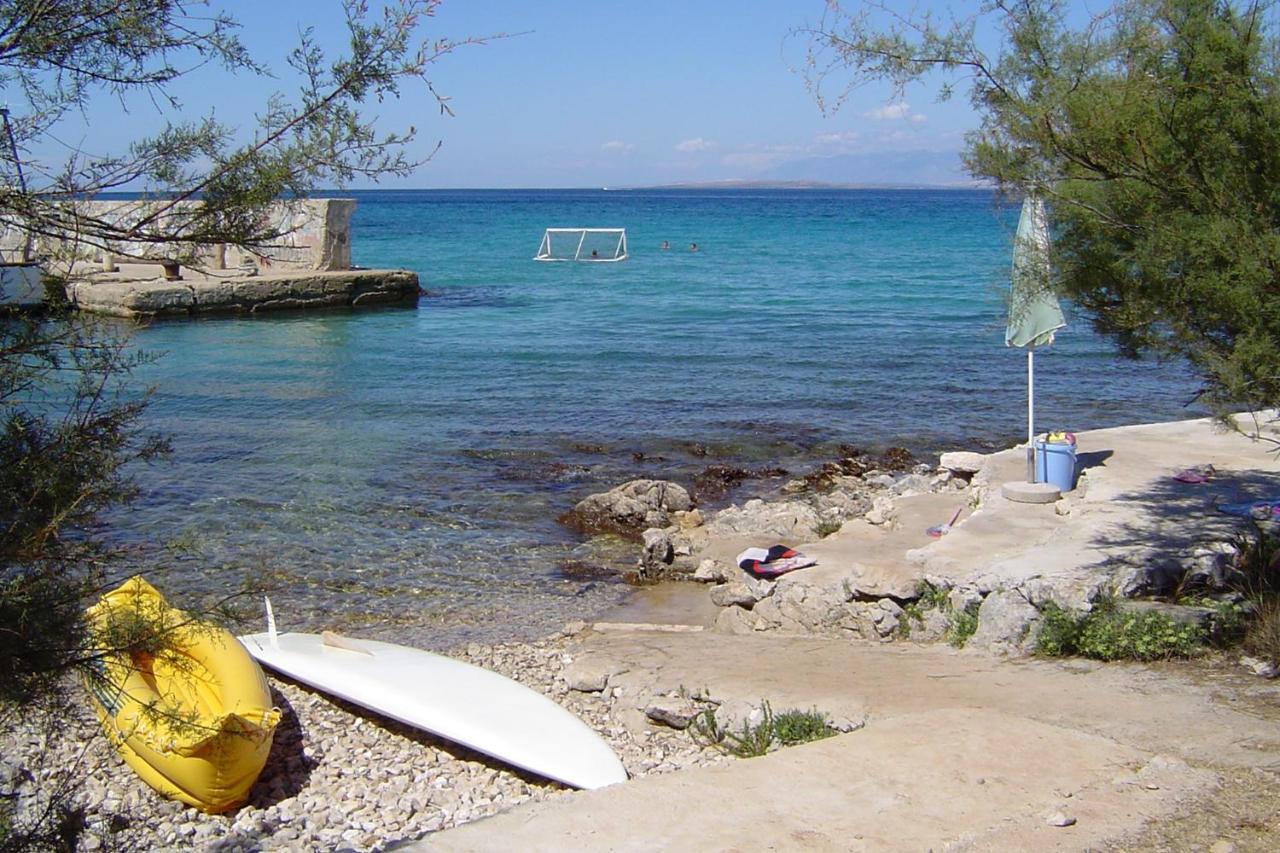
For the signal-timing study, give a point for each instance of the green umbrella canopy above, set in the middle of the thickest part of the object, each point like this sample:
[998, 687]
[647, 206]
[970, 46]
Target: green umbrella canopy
[1034, 313]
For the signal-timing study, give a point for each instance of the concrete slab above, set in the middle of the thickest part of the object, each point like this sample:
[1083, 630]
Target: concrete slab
[235, 293]
[880, 789]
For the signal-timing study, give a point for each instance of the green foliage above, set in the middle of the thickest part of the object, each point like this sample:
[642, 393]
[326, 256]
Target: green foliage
[784, 729]
[704, 730]
[68, 429]
[912, 615]
[1059, 632]
[826, 527]
[1118, 635]
[1150, 127]
[964, 624]
[1108, 633]
[961, 625]
[796, 726]
[751, 741]
[932, 597]
[55, 55]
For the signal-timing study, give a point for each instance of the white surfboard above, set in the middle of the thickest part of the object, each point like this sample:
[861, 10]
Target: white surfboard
[466, 704]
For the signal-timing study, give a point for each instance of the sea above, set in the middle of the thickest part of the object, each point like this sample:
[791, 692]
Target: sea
[398, 472]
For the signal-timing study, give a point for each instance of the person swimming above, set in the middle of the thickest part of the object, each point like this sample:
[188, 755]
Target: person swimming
[665, 245]
[693, 247]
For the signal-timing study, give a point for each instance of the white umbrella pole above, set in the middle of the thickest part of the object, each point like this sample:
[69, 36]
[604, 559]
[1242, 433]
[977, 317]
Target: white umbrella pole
[1031, 414]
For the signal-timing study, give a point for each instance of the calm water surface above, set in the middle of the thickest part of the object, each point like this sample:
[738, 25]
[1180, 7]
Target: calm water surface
[399, 471]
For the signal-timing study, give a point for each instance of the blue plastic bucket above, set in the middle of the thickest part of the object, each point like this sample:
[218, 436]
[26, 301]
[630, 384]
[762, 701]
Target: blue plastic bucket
[1056, 463]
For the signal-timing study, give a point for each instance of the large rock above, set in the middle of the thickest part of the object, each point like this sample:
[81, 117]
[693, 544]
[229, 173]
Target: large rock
[734, 594]
[1004, 623]
[786, 521]
[962, 462]
[804, 609]
[590, 675]
[629, 509]
[657, 554]
[736, 620]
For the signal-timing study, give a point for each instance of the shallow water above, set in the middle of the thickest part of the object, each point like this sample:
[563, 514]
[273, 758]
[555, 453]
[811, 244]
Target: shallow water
[399, 471]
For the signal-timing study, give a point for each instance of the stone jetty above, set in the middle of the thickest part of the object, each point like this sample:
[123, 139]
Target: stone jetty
[198, 294]
[307, 266]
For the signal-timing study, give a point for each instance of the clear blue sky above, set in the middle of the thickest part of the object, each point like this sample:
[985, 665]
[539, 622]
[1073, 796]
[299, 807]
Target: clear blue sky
[604, 93]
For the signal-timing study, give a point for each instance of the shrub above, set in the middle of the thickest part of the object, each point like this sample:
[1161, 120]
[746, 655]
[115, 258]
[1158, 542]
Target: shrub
[932, 597]
[1108, 633]
[1118, 635]
[961, 625]
[1262, 636]
[796, 726]
[1059, 632]
[964, 624]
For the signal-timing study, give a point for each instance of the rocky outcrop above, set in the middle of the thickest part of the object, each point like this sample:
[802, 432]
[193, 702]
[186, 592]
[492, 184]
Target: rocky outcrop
[1005, 620]
[946, 588]
[789, 520]
[629, 509]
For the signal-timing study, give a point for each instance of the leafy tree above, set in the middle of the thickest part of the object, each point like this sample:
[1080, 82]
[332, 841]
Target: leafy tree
[70, 415]
[1152, 129]
[57, 54]
[69, 422]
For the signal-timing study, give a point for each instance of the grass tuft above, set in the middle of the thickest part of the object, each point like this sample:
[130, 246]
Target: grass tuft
[784, 729]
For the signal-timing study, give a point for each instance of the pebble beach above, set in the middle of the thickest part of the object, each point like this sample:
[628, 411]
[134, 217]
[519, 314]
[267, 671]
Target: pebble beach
[338, 777]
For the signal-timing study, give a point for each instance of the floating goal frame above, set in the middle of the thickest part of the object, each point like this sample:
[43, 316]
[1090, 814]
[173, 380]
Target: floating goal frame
[619, 249]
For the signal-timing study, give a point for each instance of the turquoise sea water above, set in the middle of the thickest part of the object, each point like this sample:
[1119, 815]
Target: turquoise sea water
[401, 469]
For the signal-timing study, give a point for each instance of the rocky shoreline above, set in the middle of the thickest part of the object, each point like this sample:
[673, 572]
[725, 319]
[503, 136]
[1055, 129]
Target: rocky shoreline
[338, 777]
[887, 569]
[341, 779]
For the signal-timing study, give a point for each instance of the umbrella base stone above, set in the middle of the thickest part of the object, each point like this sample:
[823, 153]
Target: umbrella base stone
[1031, 493]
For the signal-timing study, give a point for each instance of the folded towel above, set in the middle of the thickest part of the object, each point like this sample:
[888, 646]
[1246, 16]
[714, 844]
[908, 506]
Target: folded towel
[771, 562]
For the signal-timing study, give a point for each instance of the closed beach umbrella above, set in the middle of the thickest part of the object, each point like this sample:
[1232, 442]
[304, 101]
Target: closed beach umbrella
[1034, 313]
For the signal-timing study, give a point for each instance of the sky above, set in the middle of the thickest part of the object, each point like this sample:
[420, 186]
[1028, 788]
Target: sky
[601, 93]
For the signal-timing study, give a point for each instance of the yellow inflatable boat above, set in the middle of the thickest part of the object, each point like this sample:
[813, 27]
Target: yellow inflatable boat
[183, 703]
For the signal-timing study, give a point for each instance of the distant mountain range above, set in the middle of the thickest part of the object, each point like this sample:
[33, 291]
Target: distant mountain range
[866, 170]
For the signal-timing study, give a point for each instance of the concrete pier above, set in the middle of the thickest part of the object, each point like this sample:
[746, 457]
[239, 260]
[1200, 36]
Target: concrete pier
[307, 266]
[122, 294]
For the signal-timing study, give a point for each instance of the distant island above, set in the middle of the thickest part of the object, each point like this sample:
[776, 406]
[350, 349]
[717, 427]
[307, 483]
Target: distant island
[741, 184]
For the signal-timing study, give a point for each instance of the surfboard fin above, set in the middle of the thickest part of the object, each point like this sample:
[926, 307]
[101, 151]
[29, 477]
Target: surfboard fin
[271, 623]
